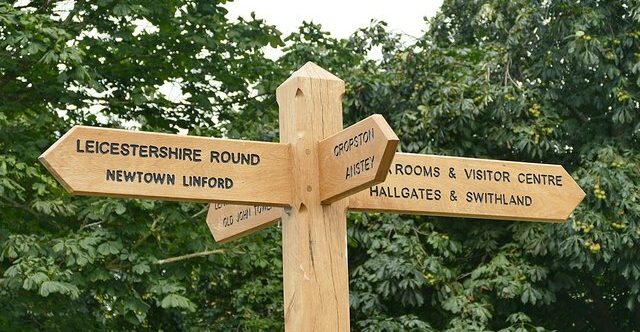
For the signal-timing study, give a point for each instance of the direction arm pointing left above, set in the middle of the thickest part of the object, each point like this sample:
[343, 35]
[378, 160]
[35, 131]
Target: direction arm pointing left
[121, 163]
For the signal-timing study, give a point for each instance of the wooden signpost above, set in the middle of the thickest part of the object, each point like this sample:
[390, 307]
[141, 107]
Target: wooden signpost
[113, 162]
[355, 157]
[227, 222]
[350, 161]
[476, 188]
[310, 179]
[456, 187]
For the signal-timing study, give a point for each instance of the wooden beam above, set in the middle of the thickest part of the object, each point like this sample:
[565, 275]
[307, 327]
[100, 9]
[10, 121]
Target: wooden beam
[472, 188]
[123, 163]
[355, 158]
[229, 221]
[424, 184]
[314, 247]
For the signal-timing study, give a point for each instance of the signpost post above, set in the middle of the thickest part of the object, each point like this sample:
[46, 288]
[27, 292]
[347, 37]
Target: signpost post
[314, 236]
[309, 180]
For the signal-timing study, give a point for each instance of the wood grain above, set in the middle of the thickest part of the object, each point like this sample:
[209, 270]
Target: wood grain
[355, 158]
[427, 184]
[316, 286]
[122, 163]
[229, 221]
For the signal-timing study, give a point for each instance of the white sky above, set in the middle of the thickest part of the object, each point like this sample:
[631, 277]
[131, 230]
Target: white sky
[340, 17]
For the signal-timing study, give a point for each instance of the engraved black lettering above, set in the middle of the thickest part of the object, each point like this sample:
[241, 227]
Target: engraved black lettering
[144, 149]
[78, 149]
[205, 181]
[134, 149]
[172, 153]
[360, 139]
[244, 215]
[114, 148]
[235, 157]
[238, 158]
[498, 198]
[486, 175]
[89, 146]
[415, 170]
[225, 157]
[227, 221]
[258, 209]
[186, 154]
[399, 169]
[129, 176]
[140, 177]
[215, 155]
[540, 179]
[360, 167]
[153, 151]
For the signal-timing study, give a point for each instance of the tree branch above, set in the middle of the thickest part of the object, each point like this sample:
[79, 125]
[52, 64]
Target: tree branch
[14, 204]
[146, 236]
[188, 256]
[506, 70]
[92, 224]
[583, 118]
[205, 209]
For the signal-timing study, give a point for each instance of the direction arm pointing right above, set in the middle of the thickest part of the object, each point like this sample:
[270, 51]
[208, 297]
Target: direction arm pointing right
[448, 186]
[474, 188]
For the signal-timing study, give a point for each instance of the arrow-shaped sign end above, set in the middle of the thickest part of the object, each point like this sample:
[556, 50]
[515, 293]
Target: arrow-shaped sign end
[568, 200]
[228, 221]
[48, 157]
[389, 150]
[575, 196]
[363, 151]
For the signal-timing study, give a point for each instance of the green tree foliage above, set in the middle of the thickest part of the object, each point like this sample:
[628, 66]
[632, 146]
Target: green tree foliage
[95, 263]
[554, 82]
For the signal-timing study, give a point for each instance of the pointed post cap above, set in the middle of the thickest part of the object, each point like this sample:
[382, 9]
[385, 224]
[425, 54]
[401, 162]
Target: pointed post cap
[311, 72]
